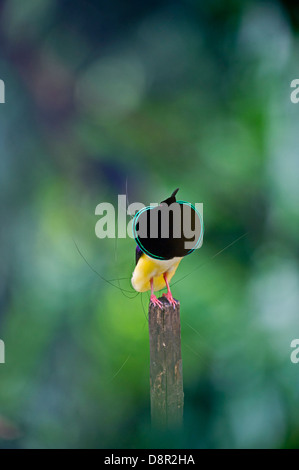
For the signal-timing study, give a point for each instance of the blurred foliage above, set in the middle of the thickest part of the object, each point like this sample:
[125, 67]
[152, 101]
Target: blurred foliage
[104, 98]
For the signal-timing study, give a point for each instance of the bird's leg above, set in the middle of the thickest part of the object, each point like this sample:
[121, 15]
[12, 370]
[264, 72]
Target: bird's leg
[169, 294]
[153, 298]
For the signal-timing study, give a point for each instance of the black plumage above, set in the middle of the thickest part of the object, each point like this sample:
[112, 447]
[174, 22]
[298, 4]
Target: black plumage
[162, 232]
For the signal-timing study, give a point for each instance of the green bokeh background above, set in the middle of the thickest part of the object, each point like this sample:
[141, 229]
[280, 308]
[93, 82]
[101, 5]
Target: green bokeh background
[108, 98]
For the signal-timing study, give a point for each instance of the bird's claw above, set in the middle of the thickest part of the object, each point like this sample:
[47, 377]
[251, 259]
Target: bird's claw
[155, 301]
[170, 299]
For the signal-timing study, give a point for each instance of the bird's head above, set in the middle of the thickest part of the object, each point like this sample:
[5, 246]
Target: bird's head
[170, 200]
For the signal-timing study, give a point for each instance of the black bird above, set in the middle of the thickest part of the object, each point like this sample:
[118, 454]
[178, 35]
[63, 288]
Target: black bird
[164, 235]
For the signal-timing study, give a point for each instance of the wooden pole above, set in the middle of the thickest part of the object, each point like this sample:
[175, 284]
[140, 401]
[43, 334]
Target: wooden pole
[166, 376]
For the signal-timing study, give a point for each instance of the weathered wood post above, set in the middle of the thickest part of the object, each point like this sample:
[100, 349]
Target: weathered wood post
[166, 375]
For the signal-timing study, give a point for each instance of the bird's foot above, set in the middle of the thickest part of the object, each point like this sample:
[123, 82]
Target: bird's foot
[155, 301]
[170, 299]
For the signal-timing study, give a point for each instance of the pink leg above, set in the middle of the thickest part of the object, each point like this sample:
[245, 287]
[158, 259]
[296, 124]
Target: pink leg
[153, 298]
[169, 294]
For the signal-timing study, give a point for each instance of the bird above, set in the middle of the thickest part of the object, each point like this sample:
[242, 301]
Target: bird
[157, 257]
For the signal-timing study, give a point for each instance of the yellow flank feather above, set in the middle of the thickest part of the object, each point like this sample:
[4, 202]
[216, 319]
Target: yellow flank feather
[149, 268]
